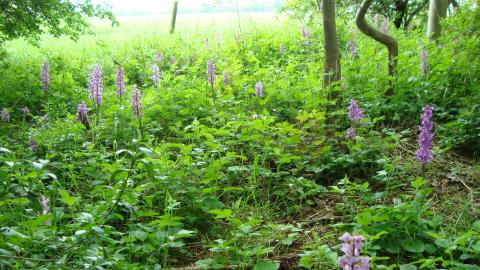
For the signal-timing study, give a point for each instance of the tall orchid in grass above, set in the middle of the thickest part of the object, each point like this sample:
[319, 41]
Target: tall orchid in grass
[259, 89]
[352, 48]
[306, 35]
[158, 57]
[211, 70]
[82, 115]
[351, 260]
[424, 64]
[5, 115]
[95, 85]
[226, 78]
[33, 145]
[25, 111]
[355, 114]
[120, 81]
[137, 107]
[44, 204]
[45, 76]
[155, 74]
[424, 153]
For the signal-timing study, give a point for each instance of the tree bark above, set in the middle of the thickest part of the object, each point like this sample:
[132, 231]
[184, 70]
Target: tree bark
[174, 16]
[401, 9]
[332, 70]
[436, 11]
[379, 36]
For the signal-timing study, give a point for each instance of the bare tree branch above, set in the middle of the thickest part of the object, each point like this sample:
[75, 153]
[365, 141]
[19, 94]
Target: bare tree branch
[381, 37]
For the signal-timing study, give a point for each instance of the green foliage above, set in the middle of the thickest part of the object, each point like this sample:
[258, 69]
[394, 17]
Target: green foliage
[223, 178]
[30, 19]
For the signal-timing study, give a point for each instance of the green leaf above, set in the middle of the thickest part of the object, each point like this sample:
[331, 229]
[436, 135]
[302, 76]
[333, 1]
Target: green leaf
[266, 265]
[258, 125]
[225, 213]
[4, 150]
[67, 199]
[413, 245]
[418, 182]
[183, 233]
[408, 267]
[124, 151]
[140, 235]
[146, 151]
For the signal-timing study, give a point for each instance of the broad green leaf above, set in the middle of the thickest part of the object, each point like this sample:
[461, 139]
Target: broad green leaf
[266, 265]
[4, 150]
[413, 245]
[140, 235]
[225, 213]
[408, 267]
[67, 199]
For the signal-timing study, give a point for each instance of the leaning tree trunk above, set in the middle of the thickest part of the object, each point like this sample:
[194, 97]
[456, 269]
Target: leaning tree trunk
[174, 16]
[381, 37]
[332, 70]
[436, 11]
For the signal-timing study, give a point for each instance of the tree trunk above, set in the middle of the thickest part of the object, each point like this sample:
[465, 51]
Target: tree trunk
[332, 70]
[400, 12]
[381, 37]
[436, 11]
[174, 16]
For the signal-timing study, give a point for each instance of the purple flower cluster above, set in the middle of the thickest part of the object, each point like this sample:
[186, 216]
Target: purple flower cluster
[82, 113]
[226, 78]
[120, 81]
[355, 113]
[306, 34]
[424, 64]
[172, 60]
[155, 74]
[351, 260]
[25, 110]
[351, 133]
[158, 57]
[258, 89]
[33, 144]
[4, 115]
[137, 106]
[352, 48]
[211, 72]
[385, 25]
[424, 153]
[44, 204]
[95, 85]
[45, 76]
[282, 49]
